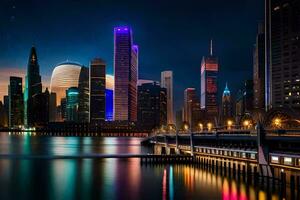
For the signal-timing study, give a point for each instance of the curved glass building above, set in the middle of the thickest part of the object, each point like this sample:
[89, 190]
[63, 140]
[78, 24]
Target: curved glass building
[67, 75]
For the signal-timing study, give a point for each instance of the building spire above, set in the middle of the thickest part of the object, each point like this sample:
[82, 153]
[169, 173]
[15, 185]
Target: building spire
[211, 47]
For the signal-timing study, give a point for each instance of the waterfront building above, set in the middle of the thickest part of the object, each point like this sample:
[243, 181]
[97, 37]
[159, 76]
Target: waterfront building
[40, 104]
[152, 106]
[126, 75]
[226, 109]
[53, 113]
[16, 106]
[62, 108]
[72, 104]
[259, 69]
[192, 110]
[209, 85]
[97, 91]
[282, 53]
[179, 119]
[244, 100]
[71, 74]
[109, 98]
[33, 87]
[3, 116]
[167, 82]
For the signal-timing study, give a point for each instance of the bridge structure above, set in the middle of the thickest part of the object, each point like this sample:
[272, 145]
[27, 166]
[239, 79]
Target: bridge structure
[266, 153]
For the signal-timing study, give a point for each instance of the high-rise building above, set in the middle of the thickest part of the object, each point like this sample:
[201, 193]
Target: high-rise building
[72, 104]
[15, 92]
[226, 110]
[152, 105]
[109, 98]
[244, 100]
[33, 86]
[167, 82]
[179, 119]
[282, 78]
[192, 110]
[126, 75]
[97, 91]
[40, 104]
[3, 116]
[53, 114]
[62, 108]
[71, 74]
[259, 69]
[209, 85]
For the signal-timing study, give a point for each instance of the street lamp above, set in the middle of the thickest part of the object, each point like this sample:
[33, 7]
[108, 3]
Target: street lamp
[200, 126]
[229, 124]
[186, 127]
[209, 126]
[246, 124]
[277, 122]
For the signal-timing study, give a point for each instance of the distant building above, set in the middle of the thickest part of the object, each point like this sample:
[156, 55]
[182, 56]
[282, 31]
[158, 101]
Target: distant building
[53, 113]
[72, 104]
[282, 53]
[109, 98]
[152, 105]
[33, 87]
[227, 107]
[244, 100]
[209, 85]
[40, 104]
[192, 110]
[3, 116]
[71, 74]
[97, 91]
[179, 118]
[167, 82]
[126, 75]
[16, 105]
[259, 69]
[62, 109]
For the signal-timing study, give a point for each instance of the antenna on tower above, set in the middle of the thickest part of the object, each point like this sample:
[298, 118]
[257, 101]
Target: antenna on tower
[211, 47]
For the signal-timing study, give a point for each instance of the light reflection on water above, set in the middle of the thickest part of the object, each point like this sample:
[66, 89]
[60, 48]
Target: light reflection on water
[106, 178]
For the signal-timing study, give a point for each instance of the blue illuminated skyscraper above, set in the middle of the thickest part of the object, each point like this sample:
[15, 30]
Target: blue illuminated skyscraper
[72, 96]
[126, 75]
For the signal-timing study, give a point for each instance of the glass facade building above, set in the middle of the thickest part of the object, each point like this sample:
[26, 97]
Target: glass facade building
[126, 75]
[109, 98]
[72, 104]
[167, 82]
[15, 91]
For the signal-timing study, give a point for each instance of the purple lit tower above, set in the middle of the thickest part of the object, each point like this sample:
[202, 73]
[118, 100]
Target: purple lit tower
[126, 75]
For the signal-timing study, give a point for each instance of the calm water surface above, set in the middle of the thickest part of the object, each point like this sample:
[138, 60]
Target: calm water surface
[105, 178]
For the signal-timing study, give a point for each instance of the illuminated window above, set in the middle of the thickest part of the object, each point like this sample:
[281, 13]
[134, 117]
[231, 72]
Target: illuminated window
[287, 161]
[274, 159]
[252, 156]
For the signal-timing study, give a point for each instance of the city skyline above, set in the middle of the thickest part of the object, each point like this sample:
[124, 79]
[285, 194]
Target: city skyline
[152, 60]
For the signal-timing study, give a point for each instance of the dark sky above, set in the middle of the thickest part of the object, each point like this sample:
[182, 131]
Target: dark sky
[172, 35]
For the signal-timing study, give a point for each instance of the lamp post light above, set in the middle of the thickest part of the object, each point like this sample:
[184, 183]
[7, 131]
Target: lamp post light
[246, 124]
[200, 127]
[209, 126]
[277, 122]
[229, 124]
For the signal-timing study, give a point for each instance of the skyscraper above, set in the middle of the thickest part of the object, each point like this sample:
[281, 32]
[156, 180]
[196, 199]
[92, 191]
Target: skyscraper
[259, 69]
[15, 91]
[109, 98]
[167, 82]
[282, 59]
[33, 86]
[97, 91]
[83, 89]
[152, 105]
[40, 104]
[192, 111]
[209, 85]
[126, 75]
[227, 110]
[72, 96]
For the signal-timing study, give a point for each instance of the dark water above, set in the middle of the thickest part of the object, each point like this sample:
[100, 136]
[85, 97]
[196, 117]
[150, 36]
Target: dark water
[105, 178]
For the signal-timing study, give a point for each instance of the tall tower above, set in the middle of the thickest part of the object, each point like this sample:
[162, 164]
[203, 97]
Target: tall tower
[15, 91]
[282, 73]
[227, 111]
[209, 80]
[33, 86]
[97, 91]
[167, 82]
[259, 69]
[126, 75]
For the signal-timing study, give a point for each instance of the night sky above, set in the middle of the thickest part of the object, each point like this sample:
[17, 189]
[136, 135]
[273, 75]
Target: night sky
[172, 35]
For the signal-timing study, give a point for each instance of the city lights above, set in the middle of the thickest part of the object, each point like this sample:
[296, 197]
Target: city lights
[209, 126]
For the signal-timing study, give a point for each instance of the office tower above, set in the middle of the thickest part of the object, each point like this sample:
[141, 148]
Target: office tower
[40, 104]
[33, 86]
[97, 91]
[259, 69]
[152, 105]
[209, 86]
[192, 110]
[126, 75]
[84, 100]
[6, 109]
[3, 116]
[72, 104]
[109, 98]
[226, 109]
[53, 114]
[167, 82]
[244, 99]
[15, 92]
[282, 75]
[71, 74]
[179, 118]
[62, 108]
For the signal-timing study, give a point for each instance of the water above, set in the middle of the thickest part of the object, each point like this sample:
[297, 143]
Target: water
[105, 178]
